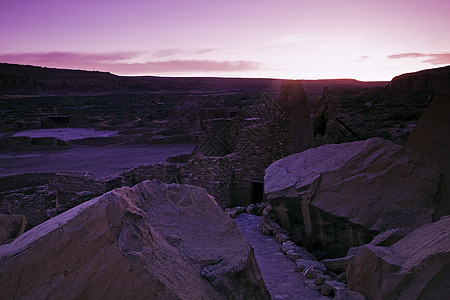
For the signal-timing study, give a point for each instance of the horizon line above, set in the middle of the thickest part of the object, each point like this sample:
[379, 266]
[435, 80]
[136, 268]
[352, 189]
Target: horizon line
[193, 76]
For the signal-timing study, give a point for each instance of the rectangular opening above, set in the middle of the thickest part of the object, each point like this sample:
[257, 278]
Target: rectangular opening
[257, 192]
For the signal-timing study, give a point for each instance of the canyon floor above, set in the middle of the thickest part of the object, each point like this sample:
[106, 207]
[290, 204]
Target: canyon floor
[100, 161]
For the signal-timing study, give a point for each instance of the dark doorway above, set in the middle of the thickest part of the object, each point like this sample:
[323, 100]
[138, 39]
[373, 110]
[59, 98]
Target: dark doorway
[257, 192]
[59, 119]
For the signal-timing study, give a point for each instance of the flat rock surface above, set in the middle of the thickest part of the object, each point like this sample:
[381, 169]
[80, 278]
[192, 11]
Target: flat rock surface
[278, 272]
[100, 161]
[368, 182]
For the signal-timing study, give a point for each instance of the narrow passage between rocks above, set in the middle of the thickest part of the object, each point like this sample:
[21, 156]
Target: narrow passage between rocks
[278, 272]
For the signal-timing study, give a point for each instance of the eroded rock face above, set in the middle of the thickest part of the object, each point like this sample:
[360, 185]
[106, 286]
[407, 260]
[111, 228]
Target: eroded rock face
[342, 195]
[150, 241]
[416, 267]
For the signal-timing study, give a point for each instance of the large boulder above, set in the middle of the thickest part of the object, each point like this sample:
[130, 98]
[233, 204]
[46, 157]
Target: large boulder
[152, 241]
[341, 195]
[416, 267]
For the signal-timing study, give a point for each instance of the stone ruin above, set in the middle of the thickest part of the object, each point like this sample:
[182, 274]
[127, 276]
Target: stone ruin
[232, 153]
[231, 156]
[324, 121]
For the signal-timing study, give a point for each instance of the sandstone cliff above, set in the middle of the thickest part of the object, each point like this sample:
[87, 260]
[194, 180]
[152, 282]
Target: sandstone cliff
[422, 80]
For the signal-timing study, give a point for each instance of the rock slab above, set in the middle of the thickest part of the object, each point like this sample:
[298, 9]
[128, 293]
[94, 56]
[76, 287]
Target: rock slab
[340, 195]
[416, 267]
[113, 247]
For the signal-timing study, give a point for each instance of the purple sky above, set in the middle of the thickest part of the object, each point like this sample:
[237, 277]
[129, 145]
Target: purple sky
[366, 40]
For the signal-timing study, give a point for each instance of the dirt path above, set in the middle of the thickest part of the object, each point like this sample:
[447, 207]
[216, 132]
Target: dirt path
[278, 272]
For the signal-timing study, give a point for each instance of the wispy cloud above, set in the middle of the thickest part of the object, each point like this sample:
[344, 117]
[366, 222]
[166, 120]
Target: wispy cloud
[117, 62]
[66, 57]
[438, 59]
[171, 52]
[431, 58]
[406, 55]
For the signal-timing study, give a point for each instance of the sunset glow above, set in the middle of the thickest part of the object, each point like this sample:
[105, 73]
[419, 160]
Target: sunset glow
[365, 40]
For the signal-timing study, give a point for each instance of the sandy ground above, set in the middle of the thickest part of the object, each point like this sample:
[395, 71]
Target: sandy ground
[100, 161]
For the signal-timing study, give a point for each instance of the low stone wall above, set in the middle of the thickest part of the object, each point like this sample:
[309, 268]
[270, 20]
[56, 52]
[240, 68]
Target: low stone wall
[165, 172]
[14, 182]
[40, 196]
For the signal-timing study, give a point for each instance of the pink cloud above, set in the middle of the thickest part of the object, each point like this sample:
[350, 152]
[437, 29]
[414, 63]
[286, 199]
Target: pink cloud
[431, 58]
[113, 62]
[165, 53]
[438, 59]
[406, 55]
[65, 57]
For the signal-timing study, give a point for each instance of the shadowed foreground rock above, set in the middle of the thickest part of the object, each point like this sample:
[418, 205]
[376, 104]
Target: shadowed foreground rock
[416, 267]
[431, 136]
[11, 226]
[339, 196]
[153, 241]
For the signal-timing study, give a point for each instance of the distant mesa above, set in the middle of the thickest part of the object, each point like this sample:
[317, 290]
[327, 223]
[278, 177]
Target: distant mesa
[31, 80]
[423, 80]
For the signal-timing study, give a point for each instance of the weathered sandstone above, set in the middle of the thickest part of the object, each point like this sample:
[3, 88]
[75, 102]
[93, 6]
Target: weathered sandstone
[341, 195]
[150, 241]
[416, 267]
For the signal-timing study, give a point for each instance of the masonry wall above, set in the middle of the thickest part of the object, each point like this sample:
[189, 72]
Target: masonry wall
[263, 132]
[215, 174]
